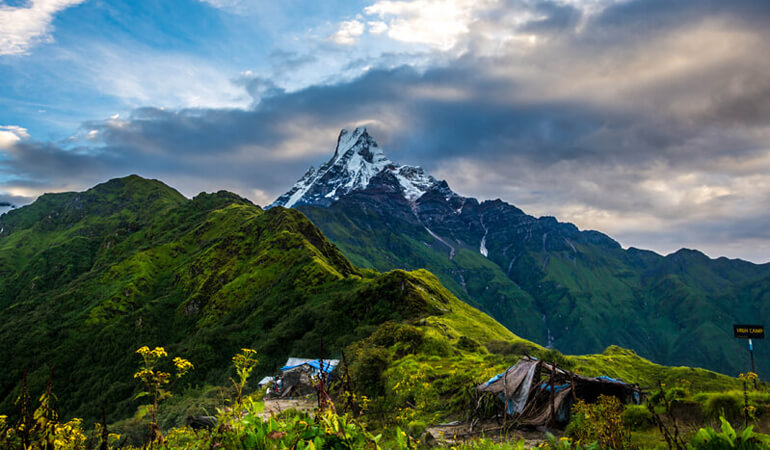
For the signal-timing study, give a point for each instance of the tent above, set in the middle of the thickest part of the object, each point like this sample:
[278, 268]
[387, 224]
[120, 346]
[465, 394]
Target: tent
[538, 393]
[298, 374]
[265, 380]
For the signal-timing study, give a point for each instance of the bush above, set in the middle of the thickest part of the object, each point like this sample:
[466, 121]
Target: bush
[416, 427]
[436, 347]
[728, 405]
[467, 344]
[554, 356]
[599, 422]
[367, 368]
[499, 347]
[407, 337]
[637, 417]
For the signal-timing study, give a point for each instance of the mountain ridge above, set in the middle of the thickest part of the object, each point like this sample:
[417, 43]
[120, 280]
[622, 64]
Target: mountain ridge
[206, 276]
[203, 277]
[585, 289]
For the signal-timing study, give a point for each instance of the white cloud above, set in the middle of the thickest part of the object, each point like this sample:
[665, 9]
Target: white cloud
[377, 27]
[438, 23]
[11, 134]
[23, 27]
[140, 78]
[348, 32]
[222, 4]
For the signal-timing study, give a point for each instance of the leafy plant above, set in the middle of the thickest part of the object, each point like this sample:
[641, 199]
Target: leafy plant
[711, 439]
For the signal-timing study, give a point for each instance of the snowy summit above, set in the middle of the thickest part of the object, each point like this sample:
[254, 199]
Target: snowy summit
[357, 159]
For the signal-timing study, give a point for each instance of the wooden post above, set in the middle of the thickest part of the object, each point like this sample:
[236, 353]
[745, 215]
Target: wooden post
[553, 394]
[505, 403]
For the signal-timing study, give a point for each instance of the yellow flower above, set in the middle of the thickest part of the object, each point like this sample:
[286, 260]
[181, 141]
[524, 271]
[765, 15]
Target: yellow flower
[182, 365]
[144, 373]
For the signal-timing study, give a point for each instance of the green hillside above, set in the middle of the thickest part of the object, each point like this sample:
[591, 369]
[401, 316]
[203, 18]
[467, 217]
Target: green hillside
[551, 283]
[89, 277]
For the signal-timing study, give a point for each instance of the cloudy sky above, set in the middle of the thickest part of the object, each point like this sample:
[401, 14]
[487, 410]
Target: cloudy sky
[646, 119]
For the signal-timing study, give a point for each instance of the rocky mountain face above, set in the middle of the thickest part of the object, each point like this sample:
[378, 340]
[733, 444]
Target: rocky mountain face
[548, 281]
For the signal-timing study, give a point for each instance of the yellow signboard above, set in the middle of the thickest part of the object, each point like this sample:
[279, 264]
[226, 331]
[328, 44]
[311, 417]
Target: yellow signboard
[749, 331]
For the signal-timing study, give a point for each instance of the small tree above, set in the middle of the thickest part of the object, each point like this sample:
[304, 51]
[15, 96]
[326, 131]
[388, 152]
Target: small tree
[156, 382]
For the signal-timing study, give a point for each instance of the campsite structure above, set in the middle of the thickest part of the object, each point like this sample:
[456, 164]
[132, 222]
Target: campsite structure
[537, 393]
[299, 375]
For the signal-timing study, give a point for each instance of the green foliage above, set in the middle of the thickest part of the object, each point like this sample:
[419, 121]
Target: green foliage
[555, 357]
[566, 443]
[506, 348]
[726, 404]
[637, 417]
[599, 422]
[369, 364]
[155, 383]
[730, 404]
[202, 277]
[407, 338]
[711, 439]
[468, 344]
[326, 430]
[624, 364]
[373, 238]
[42, 429]
[487, 444]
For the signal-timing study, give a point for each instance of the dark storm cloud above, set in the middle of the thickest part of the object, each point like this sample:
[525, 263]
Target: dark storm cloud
[556, 18]
[654, 113]
[642, 15]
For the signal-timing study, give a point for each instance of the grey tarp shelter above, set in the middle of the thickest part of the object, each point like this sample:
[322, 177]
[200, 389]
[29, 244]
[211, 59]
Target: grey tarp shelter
[538, 393]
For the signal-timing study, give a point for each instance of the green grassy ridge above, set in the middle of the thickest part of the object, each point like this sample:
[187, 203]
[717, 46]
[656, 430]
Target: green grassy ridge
[428, 367]
[624, 364]
[203, 278]
[676, 309]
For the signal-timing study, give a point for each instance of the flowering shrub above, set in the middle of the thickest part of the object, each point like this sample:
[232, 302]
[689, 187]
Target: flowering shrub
[244, 363]
[599, 422]
[155, 382]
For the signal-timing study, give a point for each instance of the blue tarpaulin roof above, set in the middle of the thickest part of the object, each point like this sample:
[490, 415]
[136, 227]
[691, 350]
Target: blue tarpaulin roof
[328, 365]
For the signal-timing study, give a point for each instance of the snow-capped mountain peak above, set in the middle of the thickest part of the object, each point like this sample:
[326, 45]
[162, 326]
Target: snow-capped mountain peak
[357, 159]
[358, 141]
